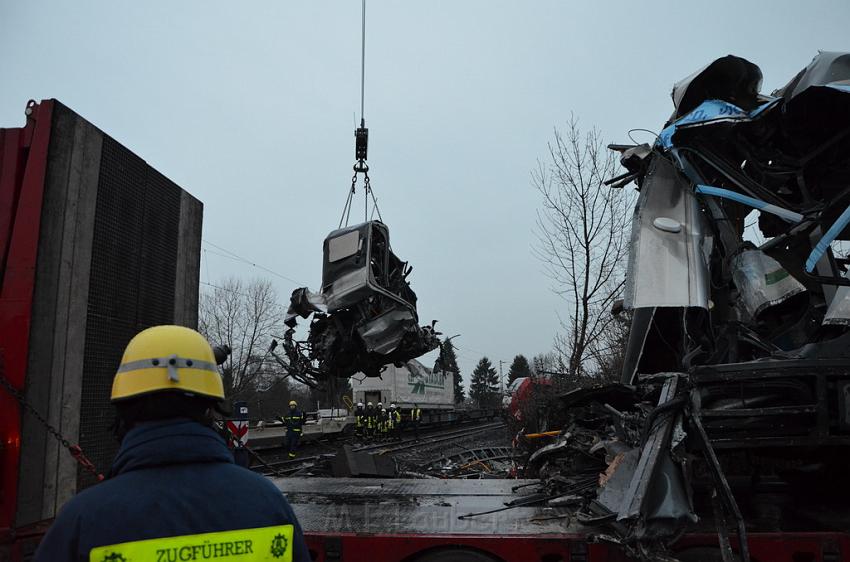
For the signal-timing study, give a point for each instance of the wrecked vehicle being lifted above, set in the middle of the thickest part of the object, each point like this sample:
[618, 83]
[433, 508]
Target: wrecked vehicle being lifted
[734, 407]
[365, 315]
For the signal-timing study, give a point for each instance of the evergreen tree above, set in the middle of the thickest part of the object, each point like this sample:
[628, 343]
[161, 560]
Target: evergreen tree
[447, 362]
[520, 367]
[484, 386]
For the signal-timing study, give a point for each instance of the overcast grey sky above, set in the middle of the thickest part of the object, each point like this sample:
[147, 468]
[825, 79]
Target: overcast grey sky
[250, 107]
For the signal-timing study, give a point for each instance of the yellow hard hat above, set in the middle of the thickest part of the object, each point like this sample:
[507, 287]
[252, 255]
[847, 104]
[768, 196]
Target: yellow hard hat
[293, 403]
[167, 358]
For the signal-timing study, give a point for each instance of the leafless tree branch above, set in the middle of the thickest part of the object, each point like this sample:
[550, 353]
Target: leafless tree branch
[243, 316]
[582, 240]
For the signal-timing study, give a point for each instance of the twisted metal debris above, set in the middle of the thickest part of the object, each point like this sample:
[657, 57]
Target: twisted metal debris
[733, 413]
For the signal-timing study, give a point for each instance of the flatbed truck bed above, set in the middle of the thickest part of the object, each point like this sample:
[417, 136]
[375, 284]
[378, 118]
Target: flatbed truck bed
[413, 520]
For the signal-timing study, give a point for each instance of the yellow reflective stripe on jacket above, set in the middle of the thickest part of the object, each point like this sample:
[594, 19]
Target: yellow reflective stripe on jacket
[273, 544]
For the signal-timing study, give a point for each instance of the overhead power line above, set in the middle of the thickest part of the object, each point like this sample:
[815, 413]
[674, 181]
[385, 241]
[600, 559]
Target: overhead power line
[236, 257]
[489, 356]
[228, 290]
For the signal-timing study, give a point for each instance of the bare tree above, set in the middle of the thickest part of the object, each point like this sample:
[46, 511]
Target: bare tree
[243, 316]
[547, 364]
[582, 238]
[609, 351]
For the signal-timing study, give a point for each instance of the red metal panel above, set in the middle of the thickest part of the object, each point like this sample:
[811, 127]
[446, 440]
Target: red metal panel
[11, 157]
[399, 548]
[21, 192]
[764, 547]
[779, 546]
[350, 547]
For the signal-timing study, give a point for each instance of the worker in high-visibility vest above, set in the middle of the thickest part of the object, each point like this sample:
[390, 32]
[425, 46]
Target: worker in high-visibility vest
[415, 419]
[359, 420]
[395, 422]
[369, 420]
[294, 421]
[379, 419]
[173, 488]
[384, 423]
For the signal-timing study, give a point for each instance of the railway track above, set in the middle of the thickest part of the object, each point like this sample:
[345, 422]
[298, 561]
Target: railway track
[334, 441]
[286, 467]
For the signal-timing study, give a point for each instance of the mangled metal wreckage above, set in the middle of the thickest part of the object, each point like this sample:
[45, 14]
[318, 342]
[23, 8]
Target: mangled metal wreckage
[365, 315]
[734, 406]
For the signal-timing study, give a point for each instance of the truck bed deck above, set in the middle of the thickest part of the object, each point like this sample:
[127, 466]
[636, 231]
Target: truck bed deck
[361, 520]
[411, 506]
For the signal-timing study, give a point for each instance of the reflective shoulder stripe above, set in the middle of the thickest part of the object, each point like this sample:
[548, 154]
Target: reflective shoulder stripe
[272, 544]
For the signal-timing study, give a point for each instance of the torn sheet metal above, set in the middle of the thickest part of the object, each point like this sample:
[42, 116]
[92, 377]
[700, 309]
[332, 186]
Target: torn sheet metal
[827, 69]
[712, 112]
[303, 303]
[730, 78]
[553, 448]
[617, 478]
[384, 333]
[762, 281]
[838, 313]
[657, 490]
[667, 266]
[348, 462]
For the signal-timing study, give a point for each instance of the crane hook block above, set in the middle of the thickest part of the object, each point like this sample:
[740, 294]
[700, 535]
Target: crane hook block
[361, 144]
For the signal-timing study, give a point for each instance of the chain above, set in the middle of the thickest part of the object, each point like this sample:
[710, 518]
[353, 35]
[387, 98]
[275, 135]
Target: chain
[75, 450]
[346, 211]
[351, 196]
[374, 200]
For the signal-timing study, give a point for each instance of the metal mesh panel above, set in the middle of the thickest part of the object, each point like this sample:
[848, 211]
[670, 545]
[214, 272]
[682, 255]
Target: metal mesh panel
[159, 250]
[132, 282]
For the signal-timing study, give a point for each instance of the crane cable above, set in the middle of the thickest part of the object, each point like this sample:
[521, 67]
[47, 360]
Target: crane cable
[362, 63]
[361, 136]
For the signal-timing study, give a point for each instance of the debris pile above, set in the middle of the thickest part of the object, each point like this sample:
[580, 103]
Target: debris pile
[485, 462]
[734, 408]
[621, 461]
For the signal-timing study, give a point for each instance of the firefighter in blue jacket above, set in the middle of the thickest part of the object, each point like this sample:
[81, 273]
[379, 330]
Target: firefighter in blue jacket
[294, 422]
[173, 492]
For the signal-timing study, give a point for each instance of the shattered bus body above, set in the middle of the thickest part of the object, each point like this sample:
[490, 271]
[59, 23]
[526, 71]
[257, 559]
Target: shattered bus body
[733, 411]
[365, 315]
